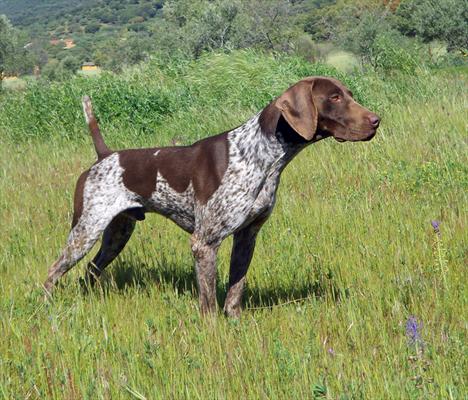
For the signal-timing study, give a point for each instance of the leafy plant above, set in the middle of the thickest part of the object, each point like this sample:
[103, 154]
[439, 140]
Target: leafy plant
[387, 54]
[430, 19]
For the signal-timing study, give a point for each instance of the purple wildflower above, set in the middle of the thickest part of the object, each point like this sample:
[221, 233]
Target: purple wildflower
[435, 224]
[413, 331]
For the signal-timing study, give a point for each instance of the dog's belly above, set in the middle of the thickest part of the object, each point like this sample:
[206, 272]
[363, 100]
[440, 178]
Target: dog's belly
[178, 207]
[230, 208]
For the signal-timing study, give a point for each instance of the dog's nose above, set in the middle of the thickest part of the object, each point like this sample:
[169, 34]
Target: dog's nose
[374, 120]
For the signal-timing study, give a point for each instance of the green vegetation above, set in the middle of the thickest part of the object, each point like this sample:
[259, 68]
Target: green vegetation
[351, 293]
[6, 42]
[112, 33]
[12, 57]
[50, 14]
[118, 33]
[148, 98]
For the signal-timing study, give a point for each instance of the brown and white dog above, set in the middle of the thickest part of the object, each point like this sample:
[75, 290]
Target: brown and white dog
[222, 185]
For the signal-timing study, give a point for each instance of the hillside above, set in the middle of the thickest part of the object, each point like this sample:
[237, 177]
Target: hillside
[58, 36]
[24, 12]
[61, 35]
[50, 14]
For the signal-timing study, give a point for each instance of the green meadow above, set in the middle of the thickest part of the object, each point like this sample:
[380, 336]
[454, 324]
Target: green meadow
[351, 294]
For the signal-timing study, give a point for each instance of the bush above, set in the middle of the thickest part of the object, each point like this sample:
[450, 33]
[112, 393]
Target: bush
[70, 64]
[387, 54]
[93, 27]
[360, 35]
[430, 20]
[457, 58]
[137, 27]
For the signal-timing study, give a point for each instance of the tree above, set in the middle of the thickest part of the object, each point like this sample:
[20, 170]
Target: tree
[430, 19]
[194, 26]
[7, 44]
[70, 64]
[92, 27]
[106, 16]
[148, 10]
[270, 24]
[333, 20]
[51, 70]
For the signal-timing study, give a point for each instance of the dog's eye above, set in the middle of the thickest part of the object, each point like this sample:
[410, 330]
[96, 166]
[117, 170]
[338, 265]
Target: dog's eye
[335, 98]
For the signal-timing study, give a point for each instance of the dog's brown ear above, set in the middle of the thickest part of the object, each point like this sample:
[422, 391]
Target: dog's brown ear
[298, 109]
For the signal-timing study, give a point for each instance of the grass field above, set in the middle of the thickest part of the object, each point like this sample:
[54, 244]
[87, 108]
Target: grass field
[351, 294]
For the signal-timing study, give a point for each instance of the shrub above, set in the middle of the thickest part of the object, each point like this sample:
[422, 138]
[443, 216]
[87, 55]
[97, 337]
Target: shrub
[70, 64]
[430, 19]
[458, 58]
[388, 54]
[93, 27]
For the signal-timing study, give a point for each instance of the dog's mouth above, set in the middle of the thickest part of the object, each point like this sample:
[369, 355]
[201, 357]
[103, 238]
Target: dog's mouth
[372, 134]
[356, 136]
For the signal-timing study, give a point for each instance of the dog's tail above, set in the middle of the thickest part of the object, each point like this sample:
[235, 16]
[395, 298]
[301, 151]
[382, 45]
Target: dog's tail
[101, 148]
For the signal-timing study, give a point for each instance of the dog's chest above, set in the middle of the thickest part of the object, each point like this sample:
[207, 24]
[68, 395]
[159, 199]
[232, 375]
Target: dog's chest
[248, 188]
[266, 198]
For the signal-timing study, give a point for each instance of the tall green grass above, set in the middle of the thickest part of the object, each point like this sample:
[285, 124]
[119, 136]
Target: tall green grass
[348, 258]
[148, 98]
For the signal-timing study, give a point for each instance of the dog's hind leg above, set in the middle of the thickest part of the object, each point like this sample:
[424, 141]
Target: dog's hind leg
[114, 239]
[80, 241]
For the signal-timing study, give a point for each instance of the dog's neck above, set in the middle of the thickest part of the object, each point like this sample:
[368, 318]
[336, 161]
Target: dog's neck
[268, 141]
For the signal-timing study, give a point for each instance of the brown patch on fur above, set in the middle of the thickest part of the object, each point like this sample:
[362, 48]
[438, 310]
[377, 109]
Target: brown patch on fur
[78, 200]
[269, 118]
[211, 161]
[203, 163]
[272, 121]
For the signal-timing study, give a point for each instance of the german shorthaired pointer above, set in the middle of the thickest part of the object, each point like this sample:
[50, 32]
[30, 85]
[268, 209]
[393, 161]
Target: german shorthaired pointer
[221, 185]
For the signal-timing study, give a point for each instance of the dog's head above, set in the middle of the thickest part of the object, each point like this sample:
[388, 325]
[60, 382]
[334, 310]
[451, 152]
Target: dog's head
[319, 105]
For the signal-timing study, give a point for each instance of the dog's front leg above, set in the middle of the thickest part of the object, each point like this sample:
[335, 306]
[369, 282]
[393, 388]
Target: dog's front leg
[205, 265]
[243, 248]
